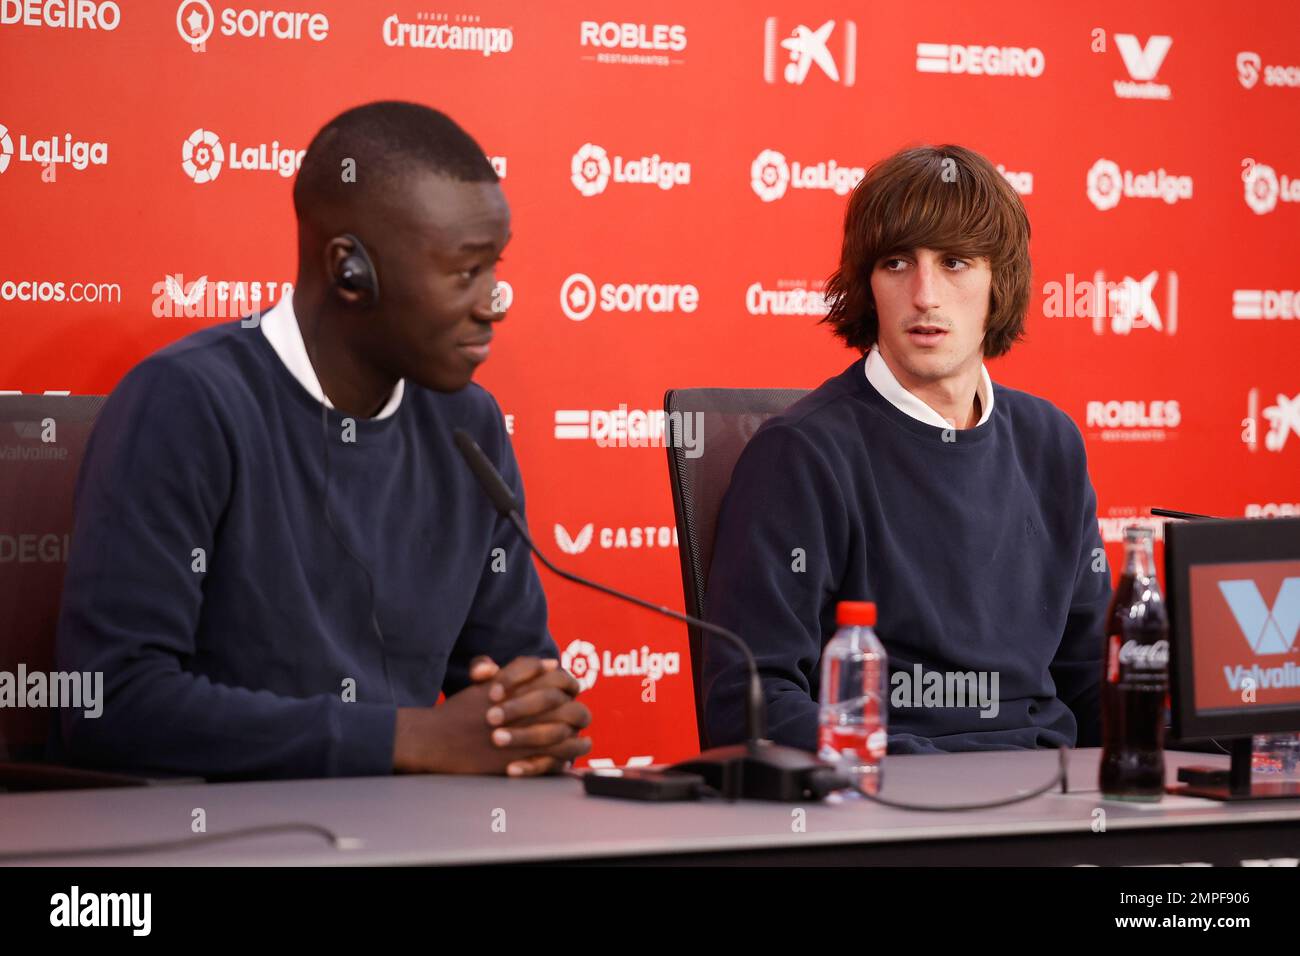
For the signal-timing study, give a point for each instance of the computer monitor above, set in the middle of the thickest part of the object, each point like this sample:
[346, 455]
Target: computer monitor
[1233, 591]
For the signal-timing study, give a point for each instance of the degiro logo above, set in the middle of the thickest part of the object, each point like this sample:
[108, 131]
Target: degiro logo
[582, 660]
[770, 175]
[1268, 631]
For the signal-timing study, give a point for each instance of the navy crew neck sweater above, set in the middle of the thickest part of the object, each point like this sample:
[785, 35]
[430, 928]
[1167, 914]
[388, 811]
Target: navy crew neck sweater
[229, 621]
[979, 551]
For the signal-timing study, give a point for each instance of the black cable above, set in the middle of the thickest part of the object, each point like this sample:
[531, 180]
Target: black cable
[204, 839]
[1061, 777]
[329, 521]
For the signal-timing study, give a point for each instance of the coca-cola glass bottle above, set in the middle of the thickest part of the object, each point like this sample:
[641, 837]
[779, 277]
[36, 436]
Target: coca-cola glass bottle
[1136, 678]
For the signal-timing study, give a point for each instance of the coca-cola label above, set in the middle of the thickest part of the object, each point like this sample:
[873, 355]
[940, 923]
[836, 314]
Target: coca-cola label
[1135, 656]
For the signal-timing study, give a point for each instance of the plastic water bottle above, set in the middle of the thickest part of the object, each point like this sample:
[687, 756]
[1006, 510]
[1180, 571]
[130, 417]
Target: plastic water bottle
[854, 697]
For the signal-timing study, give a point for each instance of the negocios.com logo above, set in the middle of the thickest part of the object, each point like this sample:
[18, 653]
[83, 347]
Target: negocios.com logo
[582, 660]
[1130, 304]
[1131, 421]
[196, 22]
[61, 14]
[974, 59]
[1107, 183]
[462, 33]
[616, 538]
[203, 157]
[592, 170]
[625, 427]
[1265, 304]
[790, 297]
[1250, 66]
[38, 290]
[580, 297]
[771, 175]
[1264, 189]
[807, 47]
[51, 151]
[1278, 421]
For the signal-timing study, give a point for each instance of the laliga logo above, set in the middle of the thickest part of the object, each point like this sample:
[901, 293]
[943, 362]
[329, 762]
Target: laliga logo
[6, 147]
[1107, 183]
[769, 175]
[1268, 631]
[202, 156]
[580, 660]
[1263, 188]
[590, 171]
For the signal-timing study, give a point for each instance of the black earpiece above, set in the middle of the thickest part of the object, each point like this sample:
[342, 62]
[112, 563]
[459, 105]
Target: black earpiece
[357, 272]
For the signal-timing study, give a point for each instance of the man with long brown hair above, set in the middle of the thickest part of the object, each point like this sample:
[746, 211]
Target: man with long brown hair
[961, 507]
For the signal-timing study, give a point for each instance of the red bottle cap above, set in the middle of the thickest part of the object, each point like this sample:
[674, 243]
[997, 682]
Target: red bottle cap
[860, 613]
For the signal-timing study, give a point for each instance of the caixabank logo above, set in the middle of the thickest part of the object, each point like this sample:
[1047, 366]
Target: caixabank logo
[204, 156]
[1278, 421]
[581, 659]
[831, 47]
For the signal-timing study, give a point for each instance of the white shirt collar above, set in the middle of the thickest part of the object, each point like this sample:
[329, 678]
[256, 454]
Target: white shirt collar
[884, 382]
[280, 326]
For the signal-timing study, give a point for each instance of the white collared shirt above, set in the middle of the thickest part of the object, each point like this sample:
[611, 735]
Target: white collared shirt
[884, 382]
[280, 326]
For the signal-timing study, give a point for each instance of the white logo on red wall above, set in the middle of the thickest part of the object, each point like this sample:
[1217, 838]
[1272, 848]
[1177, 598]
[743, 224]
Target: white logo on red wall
[616, 538]
[808, 47]
[79, 15]
[645, 44]
[460, 33]
[580, 297]
[196, 22]
[203, 157]
[592, 170]
[1265, 304]
[1130, 421]
[1111, 527]
[976, 59]
[1272, 509]
[1022, 183]
[770, 175]
[1279, 421]
[52, 151]
[1264, 188]
[1143, 62]
[1129, 304]
[1268, 630]
[1250, 66]
[581, 660]
[1108, 183]
[790, 297]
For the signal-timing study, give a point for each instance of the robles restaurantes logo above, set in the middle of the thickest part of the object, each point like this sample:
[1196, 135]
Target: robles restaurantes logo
[196, 22]
[980, 60]
[616, 538]
[581, 659]
[203, 157]
[51, 151]
[440, 31]
[1264, 188]
[1107, 183]
[61, 14]
[770, 175]
[591, 170]
[580, 297]
[633, 43]
[1250, 66]
[1132, 420]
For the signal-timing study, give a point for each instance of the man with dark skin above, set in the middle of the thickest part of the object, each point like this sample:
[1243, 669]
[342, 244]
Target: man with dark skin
[393, 310]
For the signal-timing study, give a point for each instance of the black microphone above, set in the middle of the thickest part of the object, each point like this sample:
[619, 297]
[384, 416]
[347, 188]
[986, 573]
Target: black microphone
[758, 768]
[1184, 515]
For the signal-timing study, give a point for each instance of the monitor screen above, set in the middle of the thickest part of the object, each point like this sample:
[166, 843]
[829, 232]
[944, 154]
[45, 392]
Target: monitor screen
[1245, 617]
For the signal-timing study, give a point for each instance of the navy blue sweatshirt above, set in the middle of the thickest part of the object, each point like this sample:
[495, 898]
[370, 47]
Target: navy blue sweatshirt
[226, 617]
[981, 553]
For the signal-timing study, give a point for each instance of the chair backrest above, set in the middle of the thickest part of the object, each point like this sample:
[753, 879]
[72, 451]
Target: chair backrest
[42, 441]
[718, 422]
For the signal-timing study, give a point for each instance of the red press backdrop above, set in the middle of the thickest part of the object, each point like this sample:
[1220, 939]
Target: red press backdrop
[1155, 145]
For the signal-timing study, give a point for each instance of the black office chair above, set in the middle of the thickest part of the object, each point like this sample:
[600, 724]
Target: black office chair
[42, 441]
[725, 420]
